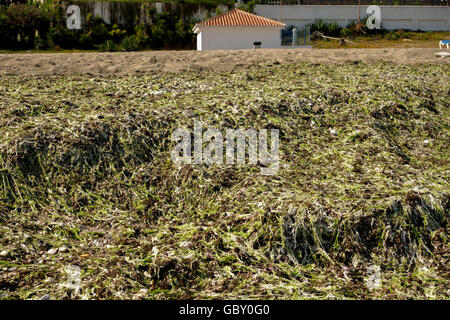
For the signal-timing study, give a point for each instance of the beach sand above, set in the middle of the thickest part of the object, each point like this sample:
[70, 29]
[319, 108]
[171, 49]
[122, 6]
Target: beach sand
[129, 63]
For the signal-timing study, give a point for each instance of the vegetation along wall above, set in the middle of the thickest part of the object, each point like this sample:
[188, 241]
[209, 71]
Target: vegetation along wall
[103, 25]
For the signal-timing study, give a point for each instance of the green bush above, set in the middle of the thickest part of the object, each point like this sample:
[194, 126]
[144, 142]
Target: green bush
[142, 38]
[407, 35]
[4, 30]
[332, 29]
[397, 34]
[99, 33]
[130, 43]
[346, 33]
[247, 6]
[116, 33]
[19, 24]
[43, 26]
[108, 46]
[351, 30]
[62, 37]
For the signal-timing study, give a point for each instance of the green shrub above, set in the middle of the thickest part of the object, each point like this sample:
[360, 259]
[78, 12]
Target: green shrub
[27, 17]
[62, 37]
[346, 33]
[43, 26]
[4, 30]
[351, 30]
[142, 38]
[19, 25]
[318, 25]
[397, 34]
[108, 46]
[332, 29]
[85, 41]
[130, 43]
[248, 6]
[116, 33]
[407, 35]
[99, 33]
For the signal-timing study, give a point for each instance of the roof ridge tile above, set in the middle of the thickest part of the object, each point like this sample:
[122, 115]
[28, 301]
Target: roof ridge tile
[238, 17]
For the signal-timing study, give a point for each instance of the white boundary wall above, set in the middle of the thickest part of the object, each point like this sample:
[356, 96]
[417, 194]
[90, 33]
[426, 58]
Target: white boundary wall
[426, 18]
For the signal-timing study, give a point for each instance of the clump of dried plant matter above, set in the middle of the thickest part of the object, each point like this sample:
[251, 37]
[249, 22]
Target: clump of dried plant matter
[358, 209]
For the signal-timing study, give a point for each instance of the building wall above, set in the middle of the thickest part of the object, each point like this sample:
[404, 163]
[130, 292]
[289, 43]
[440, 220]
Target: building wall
[199, 41]
[424, 18]
[364, 2]
[236, 38]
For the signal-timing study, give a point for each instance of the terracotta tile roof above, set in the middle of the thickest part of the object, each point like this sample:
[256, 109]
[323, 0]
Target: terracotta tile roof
[238, 17]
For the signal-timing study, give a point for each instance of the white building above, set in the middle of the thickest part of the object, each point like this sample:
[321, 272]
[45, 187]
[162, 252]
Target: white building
[238, 29]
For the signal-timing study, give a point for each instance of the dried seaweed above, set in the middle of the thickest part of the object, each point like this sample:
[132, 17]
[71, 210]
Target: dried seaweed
[359, 208]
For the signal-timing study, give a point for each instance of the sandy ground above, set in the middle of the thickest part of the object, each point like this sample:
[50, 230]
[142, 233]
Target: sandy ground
[122, 63]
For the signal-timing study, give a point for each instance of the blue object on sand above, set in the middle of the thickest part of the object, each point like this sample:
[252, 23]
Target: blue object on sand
[444, 43]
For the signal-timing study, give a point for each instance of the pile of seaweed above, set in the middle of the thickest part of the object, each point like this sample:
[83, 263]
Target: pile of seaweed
[358, 209]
